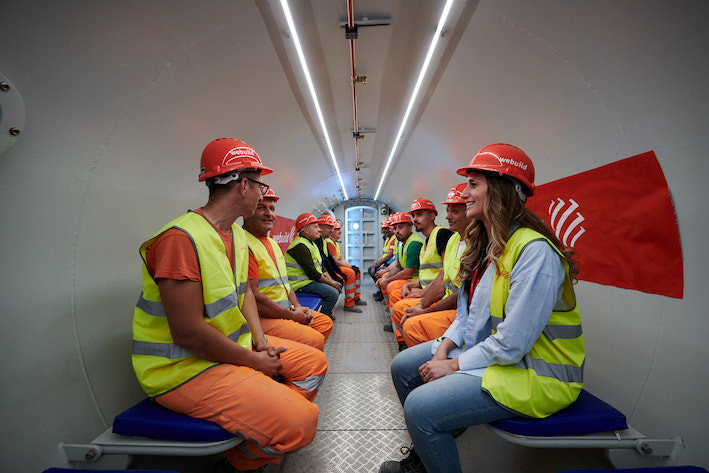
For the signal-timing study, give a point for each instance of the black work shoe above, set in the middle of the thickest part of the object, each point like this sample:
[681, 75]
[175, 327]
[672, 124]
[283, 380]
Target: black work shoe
[402, 346]
[223, 466]
[410, 464]
[388, 327]
[378, 296]
[360, 302]
[353, 309]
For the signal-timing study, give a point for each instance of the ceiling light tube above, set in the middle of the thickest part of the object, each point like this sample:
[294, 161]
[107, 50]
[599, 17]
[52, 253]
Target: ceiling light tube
[311, 87]
[414, 94]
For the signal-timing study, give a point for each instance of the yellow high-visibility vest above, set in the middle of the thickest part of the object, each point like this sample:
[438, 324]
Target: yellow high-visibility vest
[401, 255]
[430, 262]
[550, 376]
[451, 265]
[159, 363]
[272, 277]
[296, 274]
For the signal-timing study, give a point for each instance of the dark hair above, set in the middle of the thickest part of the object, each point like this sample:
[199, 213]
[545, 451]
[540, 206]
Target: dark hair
[216, 189]
[503, 209]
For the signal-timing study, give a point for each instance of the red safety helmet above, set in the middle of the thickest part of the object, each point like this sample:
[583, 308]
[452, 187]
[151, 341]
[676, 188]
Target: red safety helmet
[422, 204]
[453, 196]
[271, 195]
[326, 219]
[336, 225]
[386, 223]
[303, 220]
[400, 217]
[228, 154]
[505, 160]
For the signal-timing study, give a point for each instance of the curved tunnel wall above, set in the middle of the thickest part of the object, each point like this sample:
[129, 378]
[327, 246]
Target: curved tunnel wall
[115, 125]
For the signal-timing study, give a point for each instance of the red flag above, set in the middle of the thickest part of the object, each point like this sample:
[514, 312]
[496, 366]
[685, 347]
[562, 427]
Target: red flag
[620, 219]
[283, 231]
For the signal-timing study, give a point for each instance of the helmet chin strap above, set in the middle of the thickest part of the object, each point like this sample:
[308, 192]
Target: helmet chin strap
[520, 192]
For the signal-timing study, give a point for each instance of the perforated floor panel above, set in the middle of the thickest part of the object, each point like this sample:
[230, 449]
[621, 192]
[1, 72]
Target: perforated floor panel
[361, 421]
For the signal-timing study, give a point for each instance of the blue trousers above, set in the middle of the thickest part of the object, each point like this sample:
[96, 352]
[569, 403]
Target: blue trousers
[328, 294]
[432, 410]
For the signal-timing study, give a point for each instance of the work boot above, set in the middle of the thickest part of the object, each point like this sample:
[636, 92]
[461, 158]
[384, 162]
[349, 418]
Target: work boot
[353, 309]
[378, 296]
[360, 302]
[410, 464]
[223, 466]
[402, 346]
[388, 327]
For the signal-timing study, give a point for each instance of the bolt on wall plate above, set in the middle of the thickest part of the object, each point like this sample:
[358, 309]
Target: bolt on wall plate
[12, 114]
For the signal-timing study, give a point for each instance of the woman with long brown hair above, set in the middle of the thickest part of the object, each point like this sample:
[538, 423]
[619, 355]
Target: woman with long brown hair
[516, 346]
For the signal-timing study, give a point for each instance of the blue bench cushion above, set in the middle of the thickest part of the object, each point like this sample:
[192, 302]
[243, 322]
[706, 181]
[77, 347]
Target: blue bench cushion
[585, 416]
[311, 301]
[65, 470]
[150, 420]
[662, 469]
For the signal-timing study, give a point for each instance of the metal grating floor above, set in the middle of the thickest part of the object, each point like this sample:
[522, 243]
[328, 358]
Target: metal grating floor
[361, 421]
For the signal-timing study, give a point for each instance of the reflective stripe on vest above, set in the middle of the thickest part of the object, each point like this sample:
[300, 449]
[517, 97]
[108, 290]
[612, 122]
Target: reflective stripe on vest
[159, 363]
[296, 274]
[272, 277]
[401, 255]
[451, 265]
[430, 261]
[550, 376]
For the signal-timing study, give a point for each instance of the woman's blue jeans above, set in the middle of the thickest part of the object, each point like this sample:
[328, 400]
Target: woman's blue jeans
[328, 294]
[432, 410]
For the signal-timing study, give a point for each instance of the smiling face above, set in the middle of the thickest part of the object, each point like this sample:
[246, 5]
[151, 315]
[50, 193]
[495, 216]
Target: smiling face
[262, 221]
[311, 231]
[475, 195]
[457, 220]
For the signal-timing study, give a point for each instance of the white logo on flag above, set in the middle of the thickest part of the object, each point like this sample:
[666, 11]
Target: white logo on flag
[571, 230]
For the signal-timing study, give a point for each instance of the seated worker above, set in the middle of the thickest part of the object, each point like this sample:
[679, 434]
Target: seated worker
[304, 265]
[424, 215]
[388, 252]
[406, 267]
[351, 272]
[325, 225]
[516, 346]
[280, 312]
[429, 318]
[198, 346]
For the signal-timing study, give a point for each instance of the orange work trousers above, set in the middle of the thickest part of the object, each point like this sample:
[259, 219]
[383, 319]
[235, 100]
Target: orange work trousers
[397, 312]
[352, 282]
[392, 292]
[425, 327]
[313, 335]
[274, 418]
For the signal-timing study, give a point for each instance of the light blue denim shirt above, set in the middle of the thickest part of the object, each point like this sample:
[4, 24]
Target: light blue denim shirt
[536, 285]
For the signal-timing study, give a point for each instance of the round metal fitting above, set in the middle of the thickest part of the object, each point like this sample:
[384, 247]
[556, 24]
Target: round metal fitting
[4, 86]
[15, 131]
[645, 449]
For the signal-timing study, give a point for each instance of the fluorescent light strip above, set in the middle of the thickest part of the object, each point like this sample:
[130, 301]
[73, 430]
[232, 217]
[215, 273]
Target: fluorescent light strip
[306, 72]
[414, 94]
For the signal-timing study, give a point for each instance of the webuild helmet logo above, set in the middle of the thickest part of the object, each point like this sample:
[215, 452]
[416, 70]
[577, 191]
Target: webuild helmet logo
[567, 229]
[512, 162]
[235, 154]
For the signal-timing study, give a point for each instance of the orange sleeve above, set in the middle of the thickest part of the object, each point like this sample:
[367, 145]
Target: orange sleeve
[172, 256]
[253, 266]
[331, 250]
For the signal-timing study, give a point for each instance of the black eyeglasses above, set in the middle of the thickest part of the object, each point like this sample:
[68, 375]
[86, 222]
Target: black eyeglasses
[263, 187]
